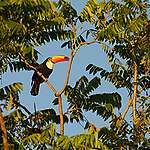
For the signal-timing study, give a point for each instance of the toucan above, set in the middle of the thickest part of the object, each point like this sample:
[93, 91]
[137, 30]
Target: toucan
[46, 69]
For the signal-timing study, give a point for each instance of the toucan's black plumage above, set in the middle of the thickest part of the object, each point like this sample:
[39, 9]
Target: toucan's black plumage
[46, 69]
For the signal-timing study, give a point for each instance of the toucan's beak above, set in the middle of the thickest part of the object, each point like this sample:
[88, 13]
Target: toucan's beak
[57, 59]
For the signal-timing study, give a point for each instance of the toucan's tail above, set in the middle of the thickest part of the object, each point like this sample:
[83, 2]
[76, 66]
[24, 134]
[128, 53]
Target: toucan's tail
[35, 88]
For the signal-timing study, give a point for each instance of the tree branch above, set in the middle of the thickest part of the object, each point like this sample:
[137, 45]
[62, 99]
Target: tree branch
[61, 115]
[58, 94]
[73, 52]
[126, 109]
[4, 131]
[135, 91]
[67, 76]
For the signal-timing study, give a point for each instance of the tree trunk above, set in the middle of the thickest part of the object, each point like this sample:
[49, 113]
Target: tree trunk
[4, 131]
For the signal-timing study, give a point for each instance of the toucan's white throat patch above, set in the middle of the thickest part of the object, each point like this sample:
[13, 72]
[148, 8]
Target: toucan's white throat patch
[49, 65]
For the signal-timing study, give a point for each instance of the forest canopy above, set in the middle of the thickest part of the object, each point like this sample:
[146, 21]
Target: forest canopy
[122, 31]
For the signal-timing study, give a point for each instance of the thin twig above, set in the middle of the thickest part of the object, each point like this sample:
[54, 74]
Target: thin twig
[126, 109]
[87, 43]
[58, 94]
[4, 131]
[81, 125]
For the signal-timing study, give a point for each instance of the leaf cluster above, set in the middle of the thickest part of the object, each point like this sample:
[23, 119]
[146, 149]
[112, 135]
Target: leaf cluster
[83, 141]
[9, 95]
[80, 98]
[119, 76]
[71, 44]
[124, 26]
[26, 129]
[24, 24]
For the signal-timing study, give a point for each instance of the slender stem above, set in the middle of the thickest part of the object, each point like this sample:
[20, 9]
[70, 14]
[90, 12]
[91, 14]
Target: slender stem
[62, 90]
[67, 76]
[73, 52]
[126, 109]
[50, 86]
[66, 82]
[4, 131]
[61, 115]
[88, 43]
[135, 91]
[58, 94]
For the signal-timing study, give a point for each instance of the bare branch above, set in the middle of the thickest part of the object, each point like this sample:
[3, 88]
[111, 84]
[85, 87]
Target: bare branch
[73, 52]
[61, 115]
[126, 109]
[135, 91]
[67, 76]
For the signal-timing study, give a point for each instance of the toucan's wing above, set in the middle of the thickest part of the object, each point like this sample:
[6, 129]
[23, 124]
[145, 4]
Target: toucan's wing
[35, 75]
[35, 88]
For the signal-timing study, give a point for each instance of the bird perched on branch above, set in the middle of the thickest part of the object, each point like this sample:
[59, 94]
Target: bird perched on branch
[46, 69]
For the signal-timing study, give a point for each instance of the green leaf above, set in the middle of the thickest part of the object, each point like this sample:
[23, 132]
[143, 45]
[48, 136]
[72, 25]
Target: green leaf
[89, 66]
[64, 44]
[55, 101]
[82, 39]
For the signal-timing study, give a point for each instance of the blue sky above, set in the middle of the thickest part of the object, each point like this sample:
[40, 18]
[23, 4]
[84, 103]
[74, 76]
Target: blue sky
[86, 55]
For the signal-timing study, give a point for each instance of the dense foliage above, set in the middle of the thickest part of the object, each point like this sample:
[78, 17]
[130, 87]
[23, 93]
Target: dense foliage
[123, 31]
